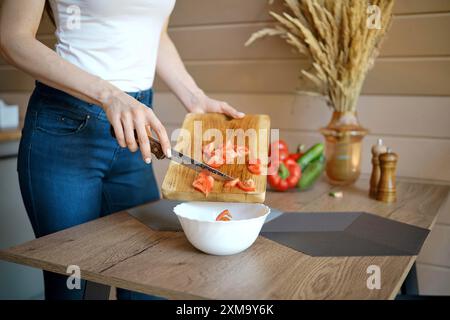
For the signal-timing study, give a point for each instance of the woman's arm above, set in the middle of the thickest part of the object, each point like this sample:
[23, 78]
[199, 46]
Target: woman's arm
[19, 21]
[173, 72]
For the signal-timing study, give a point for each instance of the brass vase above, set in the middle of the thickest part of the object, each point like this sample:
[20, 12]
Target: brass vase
[343, 144]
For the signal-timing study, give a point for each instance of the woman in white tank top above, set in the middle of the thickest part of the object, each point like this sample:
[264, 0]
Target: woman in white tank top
[70, 168]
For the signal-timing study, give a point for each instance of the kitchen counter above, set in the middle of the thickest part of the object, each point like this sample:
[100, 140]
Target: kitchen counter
[120, 251]
[10, 135]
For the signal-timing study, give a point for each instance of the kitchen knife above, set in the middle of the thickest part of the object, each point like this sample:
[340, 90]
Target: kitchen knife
[156, 149]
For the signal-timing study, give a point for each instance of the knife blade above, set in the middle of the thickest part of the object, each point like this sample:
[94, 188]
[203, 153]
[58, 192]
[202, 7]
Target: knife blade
[156, 149]
[198, 166]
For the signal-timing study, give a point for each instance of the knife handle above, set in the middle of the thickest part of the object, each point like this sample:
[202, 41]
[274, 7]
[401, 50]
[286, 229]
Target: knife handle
[155, 145]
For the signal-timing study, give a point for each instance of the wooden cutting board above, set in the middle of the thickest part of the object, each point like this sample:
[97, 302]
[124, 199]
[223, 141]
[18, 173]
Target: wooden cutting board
[177, 184]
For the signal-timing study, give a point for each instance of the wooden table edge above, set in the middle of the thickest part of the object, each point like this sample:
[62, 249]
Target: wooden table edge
[98, 278]
[401, 280]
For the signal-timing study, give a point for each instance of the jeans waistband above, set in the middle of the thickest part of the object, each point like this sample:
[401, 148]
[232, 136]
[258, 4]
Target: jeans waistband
[145, 97]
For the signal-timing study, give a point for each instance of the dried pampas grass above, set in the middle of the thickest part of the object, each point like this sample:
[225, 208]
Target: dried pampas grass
[338, 39]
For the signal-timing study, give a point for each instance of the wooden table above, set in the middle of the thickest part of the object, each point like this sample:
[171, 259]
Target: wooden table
[120, 251]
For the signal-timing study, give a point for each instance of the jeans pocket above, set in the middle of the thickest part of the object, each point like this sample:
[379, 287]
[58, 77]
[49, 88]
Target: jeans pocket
[60, 122]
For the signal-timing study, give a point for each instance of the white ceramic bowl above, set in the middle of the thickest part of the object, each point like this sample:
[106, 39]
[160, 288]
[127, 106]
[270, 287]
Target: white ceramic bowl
[221, 237]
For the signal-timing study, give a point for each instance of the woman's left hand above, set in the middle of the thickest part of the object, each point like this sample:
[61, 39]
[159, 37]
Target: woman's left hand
[204, 104]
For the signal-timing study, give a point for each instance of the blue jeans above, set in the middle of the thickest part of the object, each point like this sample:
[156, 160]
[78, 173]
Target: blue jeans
[71, 170]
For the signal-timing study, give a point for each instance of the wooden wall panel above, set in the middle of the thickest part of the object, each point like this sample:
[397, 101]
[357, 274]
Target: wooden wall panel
[409, 76]
[14, 80]
[46, 26]
[220, 63]
[409, 36]
[390, 76]
[444, 214]
[383, 115]
[212, 12]
[433, 280]
[436, 248]
[415, 153]
[196, 12]
[421, 6]
[421, 35]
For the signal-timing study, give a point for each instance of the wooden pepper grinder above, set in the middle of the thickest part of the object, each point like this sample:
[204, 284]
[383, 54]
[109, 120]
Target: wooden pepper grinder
[386, 187]
[377, 149]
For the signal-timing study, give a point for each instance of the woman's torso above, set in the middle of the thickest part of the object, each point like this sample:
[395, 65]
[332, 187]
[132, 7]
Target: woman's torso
[116, 40]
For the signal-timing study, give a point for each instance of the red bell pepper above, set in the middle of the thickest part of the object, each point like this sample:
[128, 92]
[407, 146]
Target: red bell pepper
[288, 175]
[298, 154]
[283, 150]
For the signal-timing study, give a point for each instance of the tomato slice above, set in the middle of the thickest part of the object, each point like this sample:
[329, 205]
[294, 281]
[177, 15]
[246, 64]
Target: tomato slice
[247, 185]
[225, 215]
[231, 183]
[255, 168]
[203, 182]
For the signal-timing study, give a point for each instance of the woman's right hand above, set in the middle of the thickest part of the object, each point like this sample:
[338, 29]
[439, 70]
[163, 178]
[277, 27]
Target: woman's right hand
[126, 114]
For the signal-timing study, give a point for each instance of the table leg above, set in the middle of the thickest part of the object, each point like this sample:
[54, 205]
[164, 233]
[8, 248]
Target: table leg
[96, 291]
[411, 285]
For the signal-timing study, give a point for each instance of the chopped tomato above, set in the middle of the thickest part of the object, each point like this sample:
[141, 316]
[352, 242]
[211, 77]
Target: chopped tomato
[241, 151]
[227, 151]
[255, 167]
[216, 161]
[229, 145]
[230, 155]
[208, 150]
[225, 215]
[203, 182]
[204, 173]
[247, 185]
[231, 183]
[215, 156]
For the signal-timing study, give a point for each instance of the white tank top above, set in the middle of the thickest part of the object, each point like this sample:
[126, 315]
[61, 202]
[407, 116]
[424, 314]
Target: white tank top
[114, 39]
